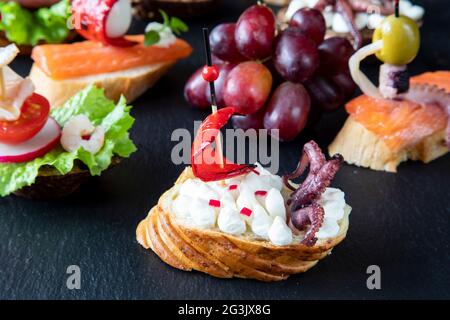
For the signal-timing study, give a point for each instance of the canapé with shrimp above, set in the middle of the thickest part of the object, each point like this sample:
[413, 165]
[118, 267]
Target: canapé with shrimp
[48, 153]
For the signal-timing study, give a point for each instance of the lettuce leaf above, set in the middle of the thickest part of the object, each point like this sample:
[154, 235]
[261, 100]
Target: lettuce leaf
[26, 27]
[115, 119]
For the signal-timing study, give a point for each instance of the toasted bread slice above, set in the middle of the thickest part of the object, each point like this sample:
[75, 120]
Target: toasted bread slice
[363, 148]
[50, 184]
[131, 83]
[223, 255]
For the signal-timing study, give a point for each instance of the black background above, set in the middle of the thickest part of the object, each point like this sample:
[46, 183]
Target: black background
[399, 222]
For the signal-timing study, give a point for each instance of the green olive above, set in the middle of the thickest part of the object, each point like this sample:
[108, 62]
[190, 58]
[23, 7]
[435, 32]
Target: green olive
[401, 40]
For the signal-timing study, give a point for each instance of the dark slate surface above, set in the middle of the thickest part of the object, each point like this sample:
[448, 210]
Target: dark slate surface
[399, 221]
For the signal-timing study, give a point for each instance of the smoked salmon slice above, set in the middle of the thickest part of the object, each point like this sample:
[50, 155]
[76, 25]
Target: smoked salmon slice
[401, 124]
[66, 61]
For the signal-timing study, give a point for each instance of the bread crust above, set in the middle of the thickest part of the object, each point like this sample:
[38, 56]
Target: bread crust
[363, 148]
[131, 83]
[223, 255]
[50, 184]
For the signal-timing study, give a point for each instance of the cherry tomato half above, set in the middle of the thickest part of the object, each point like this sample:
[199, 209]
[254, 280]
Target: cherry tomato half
[34, 114]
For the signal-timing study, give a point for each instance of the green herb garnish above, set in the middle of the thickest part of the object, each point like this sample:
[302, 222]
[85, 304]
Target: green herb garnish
[173, 24]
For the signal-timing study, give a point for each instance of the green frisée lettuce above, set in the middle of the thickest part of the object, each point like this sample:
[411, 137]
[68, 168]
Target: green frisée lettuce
[114, 118]
[26, 27]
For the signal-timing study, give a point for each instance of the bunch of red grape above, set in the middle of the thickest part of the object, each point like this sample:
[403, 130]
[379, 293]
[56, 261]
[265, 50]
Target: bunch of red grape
[310, 75]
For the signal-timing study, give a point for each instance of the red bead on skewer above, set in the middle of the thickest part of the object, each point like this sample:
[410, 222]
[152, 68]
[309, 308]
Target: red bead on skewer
[210, 73]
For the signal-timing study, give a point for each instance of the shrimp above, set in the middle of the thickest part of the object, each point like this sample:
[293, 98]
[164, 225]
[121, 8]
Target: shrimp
[79, 132]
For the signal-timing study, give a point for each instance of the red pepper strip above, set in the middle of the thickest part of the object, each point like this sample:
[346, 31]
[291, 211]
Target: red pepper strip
[205, 162]
[214, 203]
[90, 21]
[246, 211]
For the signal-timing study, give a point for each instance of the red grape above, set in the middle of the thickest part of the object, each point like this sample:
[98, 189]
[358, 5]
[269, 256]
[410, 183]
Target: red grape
[255, 31]
[334, 55]
[223, 44]
[345, 83]
[276, 77]
[195, 89]
[311, 22]
[325, 95]
[247, 87]
[217, 60]
[288, 110]
[224, 69]
[251, 121]
[296, 56]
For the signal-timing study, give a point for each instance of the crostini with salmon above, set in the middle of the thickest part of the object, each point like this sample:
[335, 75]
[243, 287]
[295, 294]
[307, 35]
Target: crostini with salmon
[121, 64]
[49, 153]
[402, 118]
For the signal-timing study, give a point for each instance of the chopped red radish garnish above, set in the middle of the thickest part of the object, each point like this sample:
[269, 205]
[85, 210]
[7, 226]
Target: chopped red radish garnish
[214, 203]
[233, 187]
[34, 148]
[246, 211]
[261, 193]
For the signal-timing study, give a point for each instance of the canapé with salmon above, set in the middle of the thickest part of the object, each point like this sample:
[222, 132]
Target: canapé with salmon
[402, 118]
[122, 65]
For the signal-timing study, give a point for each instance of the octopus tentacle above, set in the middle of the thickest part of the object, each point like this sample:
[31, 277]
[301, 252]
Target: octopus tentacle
[304, 211]
[346, 11]
[430, 94]
[308, 218]
[311, 155]
[301, 167]
[315, 184]
[322, 4]
[384, 7]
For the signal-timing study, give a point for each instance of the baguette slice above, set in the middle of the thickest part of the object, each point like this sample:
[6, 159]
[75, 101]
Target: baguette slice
[363, 148]
[223, 255]
[131, 83]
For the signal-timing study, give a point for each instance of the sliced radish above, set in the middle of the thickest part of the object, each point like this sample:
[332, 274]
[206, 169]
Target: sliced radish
[106, 21]
[119, 19]
[37, 146]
